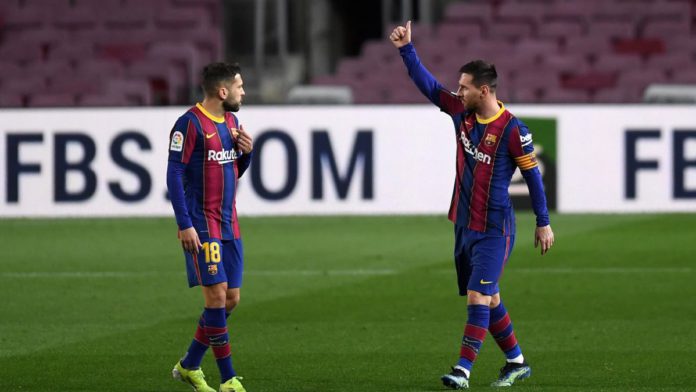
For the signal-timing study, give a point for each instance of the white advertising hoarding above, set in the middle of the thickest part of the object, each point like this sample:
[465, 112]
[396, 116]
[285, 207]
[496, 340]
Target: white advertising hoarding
[624, 158]
[312, 160]
[340, 160]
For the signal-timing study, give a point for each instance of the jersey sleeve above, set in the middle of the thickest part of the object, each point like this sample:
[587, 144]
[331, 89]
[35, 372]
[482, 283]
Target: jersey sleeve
[182, 140]
[521, 149]
[427, 84]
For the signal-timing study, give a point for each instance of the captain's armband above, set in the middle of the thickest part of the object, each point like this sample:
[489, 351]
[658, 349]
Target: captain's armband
[527, 162]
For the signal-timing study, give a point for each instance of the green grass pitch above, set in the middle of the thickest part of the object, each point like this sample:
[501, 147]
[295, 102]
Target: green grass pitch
[347, 304]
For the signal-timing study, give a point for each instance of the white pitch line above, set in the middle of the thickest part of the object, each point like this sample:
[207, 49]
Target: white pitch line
[347, 272]
[600, 270]
[591, 270]
[117, 275]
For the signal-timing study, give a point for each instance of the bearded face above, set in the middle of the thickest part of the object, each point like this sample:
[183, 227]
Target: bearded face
[232, 94]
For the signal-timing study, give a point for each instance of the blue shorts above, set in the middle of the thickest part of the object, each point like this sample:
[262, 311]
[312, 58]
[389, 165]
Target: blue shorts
[480, 259]
[217, 261]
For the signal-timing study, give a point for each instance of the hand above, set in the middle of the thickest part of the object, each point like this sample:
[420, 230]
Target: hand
[401, 35]
[244, 141]
[190, 241]
[544, 236]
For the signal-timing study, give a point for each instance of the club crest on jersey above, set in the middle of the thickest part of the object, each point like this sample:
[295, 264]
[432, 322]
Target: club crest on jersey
[222, 157]
[177, 141]
[490, 140]
[212, 269]
[473, 150]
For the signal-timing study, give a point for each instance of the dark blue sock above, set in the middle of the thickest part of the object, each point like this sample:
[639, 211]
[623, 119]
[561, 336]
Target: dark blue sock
[216, 331]
[197, 349]
[501, 329]
[474, 333]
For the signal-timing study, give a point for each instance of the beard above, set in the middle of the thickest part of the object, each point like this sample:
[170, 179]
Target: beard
[231, 107]
[471, 106]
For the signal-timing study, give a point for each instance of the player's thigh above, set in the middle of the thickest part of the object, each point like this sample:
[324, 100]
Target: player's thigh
[204, 268]
[233, 262]
[488, 257]
[462, 259]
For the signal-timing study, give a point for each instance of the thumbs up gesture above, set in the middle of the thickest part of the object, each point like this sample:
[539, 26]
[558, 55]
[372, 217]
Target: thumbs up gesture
[401, 35]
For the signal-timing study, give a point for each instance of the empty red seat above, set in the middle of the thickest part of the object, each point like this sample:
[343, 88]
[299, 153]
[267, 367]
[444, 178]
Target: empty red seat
[96, 66]
[71, 51]
[460, 33]
[615, 63]
[75, 18]
[671, 61]
[18, 51]
[560, 29]
[590, 81]
[684, 75]
[565, 96]
[11, 100]
[528, 12]
[469, 11]
[566, 62]
[26, 18]
[104, 100]
[524, 95]
[641, 77]
[639, 46]
[612, 29]
[510, 29]
[613, 95]
[136, 91]
[666, 29]
[52, 100]
[75, 83]
[49, 68]
[25, 85]
[577, 11]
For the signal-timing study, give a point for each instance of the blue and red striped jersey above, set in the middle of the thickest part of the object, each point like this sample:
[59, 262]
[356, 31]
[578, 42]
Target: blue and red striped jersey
[204, 166]
[488, 153]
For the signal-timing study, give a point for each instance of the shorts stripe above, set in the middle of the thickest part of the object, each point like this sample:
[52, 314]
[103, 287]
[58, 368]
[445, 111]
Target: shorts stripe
[195, 266]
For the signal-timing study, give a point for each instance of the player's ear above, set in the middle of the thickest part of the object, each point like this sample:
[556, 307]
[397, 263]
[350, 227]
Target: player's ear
[485, 90]
[222, 92]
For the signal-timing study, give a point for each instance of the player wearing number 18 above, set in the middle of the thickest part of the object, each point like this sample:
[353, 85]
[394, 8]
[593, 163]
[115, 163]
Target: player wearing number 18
[208, 152]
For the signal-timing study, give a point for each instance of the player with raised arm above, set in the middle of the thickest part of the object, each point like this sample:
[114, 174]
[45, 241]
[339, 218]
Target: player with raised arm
[491, 145]
[208, 152]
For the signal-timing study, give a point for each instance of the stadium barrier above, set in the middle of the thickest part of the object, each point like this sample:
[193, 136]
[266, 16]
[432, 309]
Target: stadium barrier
[344, 160]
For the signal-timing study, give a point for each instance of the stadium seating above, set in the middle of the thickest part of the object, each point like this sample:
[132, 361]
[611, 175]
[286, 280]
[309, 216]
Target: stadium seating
[74, 48]
[545, 50]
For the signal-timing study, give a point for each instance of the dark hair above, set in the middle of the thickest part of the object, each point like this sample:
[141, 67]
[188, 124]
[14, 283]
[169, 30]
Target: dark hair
[215, 73]
[481, 73]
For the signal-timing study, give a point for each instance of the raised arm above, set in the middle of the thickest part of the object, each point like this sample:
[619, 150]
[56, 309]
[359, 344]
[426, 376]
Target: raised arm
[424, 80]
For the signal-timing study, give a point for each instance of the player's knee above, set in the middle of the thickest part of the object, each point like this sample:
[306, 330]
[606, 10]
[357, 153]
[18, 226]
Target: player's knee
[215, 295]
[495, 300]
[232, 301]
[476, 298]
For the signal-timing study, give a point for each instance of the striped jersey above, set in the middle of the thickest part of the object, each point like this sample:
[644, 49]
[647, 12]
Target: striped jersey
[488, 153]
[203, 147]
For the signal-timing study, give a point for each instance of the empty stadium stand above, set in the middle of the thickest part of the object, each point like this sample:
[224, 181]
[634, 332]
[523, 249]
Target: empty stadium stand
[570, 51]
[105, 52]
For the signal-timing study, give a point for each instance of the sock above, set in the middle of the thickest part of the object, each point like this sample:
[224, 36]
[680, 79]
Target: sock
[474, 333]
[216, 331]
[193, 357]
[501, 329]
